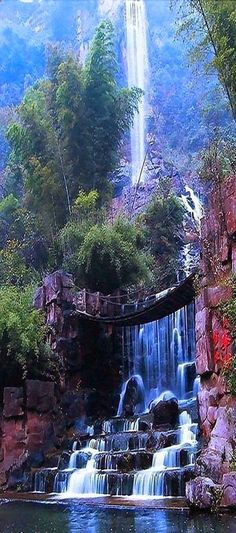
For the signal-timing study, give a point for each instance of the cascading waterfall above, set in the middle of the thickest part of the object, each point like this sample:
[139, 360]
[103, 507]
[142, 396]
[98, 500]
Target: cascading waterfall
[130, 456]
[151, 482]
[194, 210]
[137, 67]
[162, 354]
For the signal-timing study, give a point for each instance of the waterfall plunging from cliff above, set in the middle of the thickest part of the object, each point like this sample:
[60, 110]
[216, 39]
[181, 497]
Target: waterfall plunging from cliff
[137, 66]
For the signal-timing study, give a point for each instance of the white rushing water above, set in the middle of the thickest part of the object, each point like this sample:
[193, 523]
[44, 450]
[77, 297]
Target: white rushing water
[137, 66]
[128, 457]
[161, 357]
[151, 482]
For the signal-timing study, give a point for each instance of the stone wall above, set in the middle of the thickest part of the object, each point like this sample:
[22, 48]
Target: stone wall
[217, 408]
[90, 352]
[40, 418]
[28, 430]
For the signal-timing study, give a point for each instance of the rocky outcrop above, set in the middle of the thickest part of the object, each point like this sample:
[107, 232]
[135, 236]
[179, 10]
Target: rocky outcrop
[203, 493]
[217, 408]
[134, 396]
[165, 411]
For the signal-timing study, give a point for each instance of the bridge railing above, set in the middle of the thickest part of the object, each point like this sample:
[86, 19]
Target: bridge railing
[119, 304]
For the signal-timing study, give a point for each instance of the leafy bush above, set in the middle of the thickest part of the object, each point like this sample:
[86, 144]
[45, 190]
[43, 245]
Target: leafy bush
[162, 224]
[105, 257]
[23, 350]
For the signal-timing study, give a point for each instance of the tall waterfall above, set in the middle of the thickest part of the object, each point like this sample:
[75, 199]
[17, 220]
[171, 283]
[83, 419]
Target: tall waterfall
[137, 65]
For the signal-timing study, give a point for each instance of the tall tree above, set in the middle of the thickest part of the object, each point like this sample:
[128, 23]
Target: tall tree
[211, 23]
[70, 130]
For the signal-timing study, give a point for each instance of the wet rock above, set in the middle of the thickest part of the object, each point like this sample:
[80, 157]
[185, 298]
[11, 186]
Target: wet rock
[20, 478]
[13, 402]
[165, 410]
[229, 484]
[120, 483]
[124, 461]
[175, 481]
[44, 480]
[134, 396]
[203, 493]
[63, 461]
[145, 422]
[158, 440]
[210, 464]
[191, 406]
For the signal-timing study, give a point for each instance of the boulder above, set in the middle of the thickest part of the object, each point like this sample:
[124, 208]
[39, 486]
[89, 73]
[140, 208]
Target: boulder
[210, 464]
[56, 285]
[203, 493]
[134, 396]
[165, 410]
[158, 440]
[13, 402]
[229, 484]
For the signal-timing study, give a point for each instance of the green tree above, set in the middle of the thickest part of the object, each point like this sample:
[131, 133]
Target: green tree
[211, 25]
[105, 257]
[164, 233]
[69, 132]
[23, 350]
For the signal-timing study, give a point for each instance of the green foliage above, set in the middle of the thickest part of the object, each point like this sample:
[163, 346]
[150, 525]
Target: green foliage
[13, 268]
[105, 257]
[211, 24]
[164, 236]
[85, 205]
[218, 159]
[228, 309]
[70, 131]
[8, 205]
[23, 351]
[22, 242]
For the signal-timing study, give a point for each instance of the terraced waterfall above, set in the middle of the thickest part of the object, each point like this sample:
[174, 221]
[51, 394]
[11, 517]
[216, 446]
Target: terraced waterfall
[148, 449]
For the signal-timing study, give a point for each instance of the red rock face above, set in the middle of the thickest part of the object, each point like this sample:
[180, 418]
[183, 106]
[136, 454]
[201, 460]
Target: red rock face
[13, 402]
[217, 409]
[27, 428]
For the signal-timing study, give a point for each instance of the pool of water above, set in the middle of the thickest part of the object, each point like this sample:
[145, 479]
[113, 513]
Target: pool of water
[24, 517]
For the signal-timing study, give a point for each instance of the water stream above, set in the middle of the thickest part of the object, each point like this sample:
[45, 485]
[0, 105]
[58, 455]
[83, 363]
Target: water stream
[133, 456]
[137, 70]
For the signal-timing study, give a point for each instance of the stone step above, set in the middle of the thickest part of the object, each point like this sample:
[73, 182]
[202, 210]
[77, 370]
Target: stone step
[135, 423]
[123, 461]
[136, 440]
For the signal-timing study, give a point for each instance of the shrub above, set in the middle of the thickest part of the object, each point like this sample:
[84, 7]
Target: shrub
[23, 349]
[107, 258]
